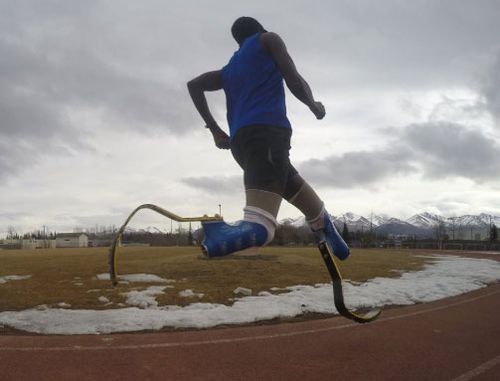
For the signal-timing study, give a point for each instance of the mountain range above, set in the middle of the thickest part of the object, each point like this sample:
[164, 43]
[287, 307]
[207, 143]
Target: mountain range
[420, 225]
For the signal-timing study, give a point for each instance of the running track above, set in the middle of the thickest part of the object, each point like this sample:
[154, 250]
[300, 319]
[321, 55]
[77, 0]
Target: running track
[453, 339]
[456, 339]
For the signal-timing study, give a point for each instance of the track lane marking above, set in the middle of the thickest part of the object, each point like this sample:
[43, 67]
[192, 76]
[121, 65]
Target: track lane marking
[473, 373]
[240, 339]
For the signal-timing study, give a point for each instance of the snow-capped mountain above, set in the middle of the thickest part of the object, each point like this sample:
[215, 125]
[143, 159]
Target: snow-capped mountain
[379, 219]
[353, 221]
[421, 225]
[149, 229]
[295, 222]
[479, 220]
[400, 227]
[425, 220]
[429, 220]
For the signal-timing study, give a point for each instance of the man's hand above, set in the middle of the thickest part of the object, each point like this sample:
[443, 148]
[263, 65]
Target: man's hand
[318, 110]
[221, 139]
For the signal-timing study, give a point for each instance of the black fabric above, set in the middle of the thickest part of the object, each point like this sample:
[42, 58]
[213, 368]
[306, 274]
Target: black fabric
[293, 185]
[263, 154]
[245, 27]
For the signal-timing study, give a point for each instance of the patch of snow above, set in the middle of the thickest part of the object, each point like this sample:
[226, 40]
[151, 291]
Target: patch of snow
[8, 278]
[146, 278]
[64, 305]
[190, 294]
[275, 289]
[78, 284]
[447, 276]
[103, 299]
[144, 298]
[93, 290]
[242, 291]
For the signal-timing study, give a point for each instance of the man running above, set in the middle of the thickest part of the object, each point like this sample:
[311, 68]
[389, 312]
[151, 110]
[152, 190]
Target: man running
[259, 139]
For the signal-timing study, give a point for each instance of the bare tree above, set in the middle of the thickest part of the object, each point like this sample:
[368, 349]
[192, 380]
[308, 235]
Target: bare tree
[11, 232]
[440, 233]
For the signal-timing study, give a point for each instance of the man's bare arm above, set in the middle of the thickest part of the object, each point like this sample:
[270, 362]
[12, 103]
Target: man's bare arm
[275, 46]
[210, 81]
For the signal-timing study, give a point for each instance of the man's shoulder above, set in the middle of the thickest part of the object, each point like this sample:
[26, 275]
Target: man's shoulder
[271, 40]
[270, 36]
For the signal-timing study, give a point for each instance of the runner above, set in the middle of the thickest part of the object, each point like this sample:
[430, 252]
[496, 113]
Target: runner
[259, 139]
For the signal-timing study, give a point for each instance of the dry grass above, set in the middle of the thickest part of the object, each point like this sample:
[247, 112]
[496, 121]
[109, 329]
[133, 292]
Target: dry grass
[56, 273]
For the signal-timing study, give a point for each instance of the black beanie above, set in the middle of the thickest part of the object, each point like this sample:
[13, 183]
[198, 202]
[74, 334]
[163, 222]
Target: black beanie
[245, 27]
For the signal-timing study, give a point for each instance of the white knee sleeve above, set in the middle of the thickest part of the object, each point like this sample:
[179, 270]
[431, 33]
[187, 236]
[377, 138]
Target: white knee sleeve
[260, 216]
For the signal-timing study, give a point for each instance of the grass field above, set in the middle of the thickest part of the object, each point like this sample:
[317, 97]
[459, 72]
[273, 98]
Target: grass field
[69, 275]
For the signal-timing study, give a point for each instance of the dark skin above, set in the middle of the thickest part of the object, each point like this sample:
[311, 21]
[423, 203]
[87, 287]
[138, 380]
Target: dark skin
[212, 81]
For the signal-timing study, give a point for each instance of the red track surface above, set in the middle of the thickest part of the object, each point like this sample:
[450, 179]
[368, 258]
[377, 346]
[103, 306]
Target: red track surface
[454, 339]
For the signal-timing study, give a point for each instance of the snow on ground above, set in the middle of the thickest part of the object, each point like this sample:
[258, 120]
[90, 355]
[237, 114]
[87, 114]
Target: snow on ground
[146, 278]
[103, 299]
[7, 278]
[190, 294]
[144, 298]
[242, 291]
[447, 276]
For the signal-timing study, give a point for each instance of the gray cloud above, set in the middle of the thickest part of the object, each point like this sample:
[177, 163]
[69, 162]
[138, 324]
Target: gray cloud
[491, 89]
[436, 150]
[447, 149]
[125, 63]
[392, 43]
[38, 88]
[356, 168]
[215, 184]
[61, 60]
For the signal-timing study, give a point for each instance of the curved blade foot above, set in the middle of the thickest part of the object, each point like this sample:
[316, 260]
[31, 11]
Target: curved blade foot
[113, 251]
[338, 294]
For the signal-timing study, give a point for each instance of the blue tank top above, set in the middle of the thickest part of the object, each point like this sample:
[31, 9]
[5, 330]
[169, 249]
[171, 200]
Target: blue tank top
[254, 88]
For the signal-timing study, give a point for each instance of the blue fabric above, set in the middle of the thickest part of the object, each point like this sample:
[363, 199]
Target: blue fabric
[254, 89]
[332, 237]
[222, 239]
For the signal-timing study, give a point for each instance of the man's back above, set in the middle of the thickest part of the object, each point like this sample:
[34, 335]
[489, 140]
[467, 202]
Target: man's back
[254, 88]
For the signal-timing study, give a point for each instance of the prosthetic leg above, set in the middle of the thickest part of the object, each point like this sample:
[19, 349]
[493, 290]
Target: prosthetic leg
[300, 194]
[223, 239]
[326, 234]
[330, 243]
[256, 229]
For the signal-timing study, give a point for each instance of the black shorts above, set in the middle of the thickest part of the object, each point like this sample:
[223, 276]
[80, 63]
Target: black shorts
[263, 154]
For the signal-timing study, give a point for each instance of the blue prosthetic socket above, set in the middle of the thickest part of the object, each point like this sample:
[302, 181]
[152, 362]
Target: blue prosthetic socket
[223, 239]
[332, 237]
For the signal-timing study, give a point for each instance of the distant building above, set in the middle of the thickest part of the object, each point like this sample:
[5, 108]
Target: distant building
[11, 243]
[399, 237]
[38, 243]
[72, 240]
[30, 243]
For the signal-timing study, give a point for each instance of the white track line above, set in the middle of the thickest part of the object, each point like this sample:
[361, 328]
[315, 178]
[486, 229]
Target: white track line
[479, 370]
[239, 339]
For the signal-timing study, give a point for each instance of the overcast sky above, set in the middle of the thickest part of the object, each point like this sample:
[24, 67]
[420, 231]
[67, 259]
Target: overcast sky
[95, 118]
